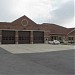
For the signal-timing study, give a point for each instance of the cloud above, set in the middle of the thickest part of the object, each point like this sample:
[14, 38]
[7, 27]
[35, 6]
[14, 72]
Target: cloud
[40, 11]
[64, 14]
[34, 9]
[69, 24]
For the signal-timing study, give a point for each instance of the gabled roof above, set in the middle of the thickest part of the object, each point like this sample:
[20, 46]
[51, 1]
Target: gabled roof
[17, 24]
[21, 18]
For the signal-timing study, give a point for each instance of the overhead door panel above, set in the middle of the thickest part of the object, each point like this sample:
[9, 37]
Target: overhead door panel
[24, 37]
[8, 37]
[38, 37]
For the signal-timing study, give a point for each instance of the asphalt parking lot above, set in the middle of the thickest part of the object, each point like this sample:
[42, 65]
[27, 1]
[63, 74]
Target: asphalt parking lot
[56, 62]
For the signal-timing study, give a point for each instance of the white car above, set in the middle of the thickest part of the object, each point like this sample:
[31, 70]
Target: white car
[54, 42]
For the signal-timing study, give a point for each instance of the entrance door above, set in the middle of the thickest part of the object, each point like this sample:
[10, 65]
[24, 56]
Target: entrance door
[24, 37]
[54, 38]
[8, 37]
[38, 37]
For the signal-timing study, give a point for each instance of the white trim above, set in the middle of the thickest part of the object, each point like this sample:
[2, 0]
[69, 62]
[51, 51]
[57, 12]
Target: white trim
[20, 30]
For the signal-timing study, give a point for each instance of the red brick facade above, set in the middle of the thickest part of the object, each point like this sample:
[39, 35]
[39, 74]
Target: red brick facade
[51, 31]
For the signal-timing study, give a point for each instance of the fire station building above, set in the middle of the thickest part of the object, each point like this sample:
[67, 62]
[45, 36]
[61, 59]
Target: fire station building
[25, 31]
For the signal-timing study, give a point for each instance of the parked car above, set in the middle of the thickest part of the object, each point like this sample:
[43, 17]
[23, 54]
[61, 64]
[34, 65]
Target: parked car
[50, 42]
[54, 42]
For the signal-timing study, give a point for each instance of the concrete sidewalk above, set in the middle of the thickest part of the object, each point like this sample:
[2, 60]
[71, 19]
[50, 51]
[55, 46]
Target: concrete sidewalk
[34, 48]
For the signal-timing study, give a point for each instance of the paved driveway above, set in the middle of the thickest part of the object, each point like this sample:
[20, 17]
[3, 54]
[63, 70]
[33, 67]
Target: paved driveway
[42, 63]
[35, 48]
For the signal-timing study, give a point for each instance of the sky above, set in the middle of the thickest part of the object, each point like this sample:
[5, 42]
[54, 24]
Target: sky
[60, 12]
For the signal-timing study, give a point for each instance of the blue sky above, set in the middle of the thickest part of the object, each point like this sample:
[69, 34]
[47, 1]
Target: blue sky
[59, 12]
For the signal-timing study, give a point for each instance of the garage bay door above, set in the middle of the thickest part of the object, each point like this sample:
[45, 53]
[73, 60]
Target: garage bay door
[38, 37]
[24, 37]
[8, 37]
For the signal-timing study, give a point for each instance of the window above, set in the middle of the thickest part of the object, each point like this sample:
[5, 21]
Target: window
[12, 38]
[6, 38]
[22, 38]
[70, 38]
[9, 38]
[59, 38]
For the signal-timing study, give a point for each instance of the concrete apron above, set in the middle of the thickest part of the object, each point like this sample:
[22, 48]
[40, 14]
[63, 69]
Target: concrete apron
[35, 48]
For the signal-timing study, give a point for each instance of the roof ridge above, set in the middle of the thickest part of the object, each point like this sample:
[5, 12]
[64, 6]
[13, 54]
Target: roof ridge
[71, 31]
[52, 24]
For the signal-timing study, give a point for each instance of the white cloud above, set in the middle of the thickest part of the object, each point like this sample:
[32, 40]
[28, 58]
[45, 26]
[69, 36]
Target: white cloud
[63, 14]
[56, 4]
[32, 8]
[38, 10]
[69, 24]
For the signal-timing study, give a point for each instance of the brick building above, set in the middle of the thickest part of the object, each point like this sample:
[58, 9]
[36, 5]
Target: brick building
[26, 31]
